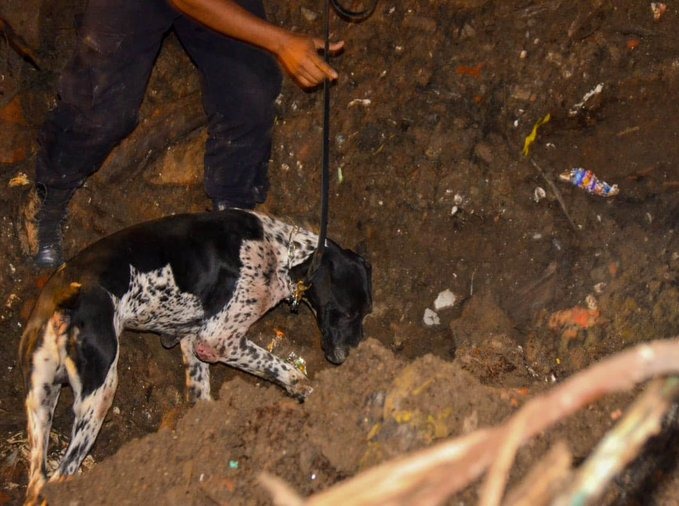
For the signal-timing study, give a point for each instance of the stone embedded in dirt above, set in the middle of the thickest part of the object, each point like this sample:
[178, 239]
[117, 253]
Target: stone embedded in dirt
[521, 93]
[484, 152]
[482, 316]
[309, 15]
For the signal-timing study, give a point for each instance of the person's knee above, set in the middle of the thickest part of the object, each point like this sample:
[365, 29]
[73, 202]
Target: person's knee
[74, 141]
[83, 108]
[94, 98]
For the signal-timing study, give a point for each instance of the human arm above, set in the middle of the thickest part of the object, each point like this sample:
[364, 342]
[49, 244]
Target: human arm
[297, 54]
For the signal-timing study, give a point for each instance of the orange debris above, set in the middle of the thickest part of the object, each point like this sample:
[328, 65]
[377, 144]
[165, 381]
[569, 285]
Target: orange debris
[473, 71]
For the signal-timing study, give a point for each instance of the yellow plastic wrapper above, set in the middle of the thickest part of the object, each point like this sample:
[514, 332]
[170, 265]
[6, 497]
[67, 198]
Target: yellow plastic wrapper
[534, 133]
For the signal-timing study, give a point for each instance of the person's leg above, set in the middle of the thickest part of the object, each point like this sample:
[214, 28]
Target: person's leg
[240, 86]
[100, 92]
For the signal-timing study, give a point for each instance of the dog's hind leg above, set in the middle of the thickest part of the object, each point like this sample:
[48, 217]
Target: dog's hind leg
[197, 373]
[90, 410]
[92, 372]
[46, 371]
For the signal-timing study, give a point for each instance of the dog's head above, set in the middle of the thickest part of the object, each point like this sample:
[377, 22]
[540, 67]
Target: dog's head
[340, 296]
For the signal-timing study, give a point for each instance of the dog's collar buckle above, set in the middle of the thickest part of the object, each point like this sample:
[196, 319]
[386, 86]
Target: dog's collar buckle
[298, 292]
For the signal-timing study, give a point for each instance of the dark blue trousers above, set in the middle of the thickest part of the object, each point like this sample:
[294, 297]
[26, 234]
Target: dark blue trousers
[102, 88]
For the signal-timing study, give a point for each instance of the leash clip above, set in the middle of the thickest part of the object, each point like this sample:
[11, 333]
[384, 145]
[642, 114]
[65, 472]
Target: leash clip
[298, 295]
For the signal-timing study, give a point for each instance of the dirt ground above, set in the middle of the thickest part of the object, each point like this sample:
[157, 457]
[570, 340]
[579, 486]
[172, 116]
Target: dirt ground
[430, 114]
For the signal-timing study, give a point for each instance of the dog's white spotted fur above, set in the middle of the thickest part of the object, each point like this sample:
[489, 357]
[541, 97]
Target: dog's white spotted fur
[153, 302]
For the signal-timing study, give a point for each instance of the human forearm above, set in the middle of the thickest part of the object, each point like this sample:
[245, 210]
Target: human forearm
[297, 53]
[229, 18]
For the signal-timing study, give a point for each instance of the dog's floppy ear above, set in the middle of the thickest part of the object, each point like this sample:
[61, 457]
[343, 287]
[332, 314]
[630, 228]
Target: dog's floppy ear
[321, 282]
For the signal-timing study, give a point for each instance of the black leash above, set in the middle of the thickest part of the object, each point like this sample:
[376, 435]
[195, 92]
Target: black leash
[353, 16]
[325, 173]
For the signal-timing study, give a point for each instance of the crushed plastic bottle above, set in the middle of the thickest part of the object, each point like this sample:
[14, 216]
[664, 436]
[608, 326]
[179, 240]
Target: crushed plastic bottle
[586, 180]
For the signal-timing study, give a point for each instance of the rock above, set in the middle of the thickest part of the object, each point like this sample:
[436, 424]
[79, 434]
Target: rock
[423, 76]
[467, 32]
[481, 317]
[309, 15]
[484, 152]
[521, 93]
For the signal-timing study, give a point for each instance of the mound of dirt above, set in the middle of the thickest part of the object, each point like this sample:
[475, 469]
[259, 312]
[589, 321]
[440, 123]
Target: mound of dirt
[372, 408]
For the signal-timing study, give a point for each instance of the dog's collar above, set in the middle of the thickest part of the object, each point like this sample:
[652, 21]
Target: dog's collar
[298, 289]
[297, 295]
[291, 246]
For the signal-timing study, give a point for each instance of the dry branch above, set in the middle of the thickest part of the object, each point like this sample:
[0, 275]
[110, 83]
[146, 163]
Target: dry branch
[431, 475]
[557, 194]
[494, 485]
[622, 444]
[544, 479]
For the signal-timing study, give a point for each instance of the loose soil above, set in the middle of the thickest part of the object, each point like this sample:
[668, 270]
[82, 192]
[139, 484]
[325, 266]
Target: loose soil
[429, 118]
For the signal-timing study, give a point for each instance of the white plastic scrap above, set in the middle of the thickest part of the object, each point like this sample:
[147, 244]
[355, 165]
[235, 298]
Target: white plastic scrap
[573, 111]
[539, 193]
[458, 200]
[444, 300]
[431, 318]
[365, 102]
[591, 302]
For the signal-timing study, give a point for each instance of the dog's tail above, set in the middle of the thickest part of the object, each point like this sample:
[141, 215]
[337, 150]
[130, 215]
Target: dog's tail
[55, 298]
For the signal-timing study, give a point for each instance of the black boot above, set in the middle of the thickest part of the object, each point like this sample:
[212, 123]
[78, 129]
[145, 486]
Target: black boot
[51, 215]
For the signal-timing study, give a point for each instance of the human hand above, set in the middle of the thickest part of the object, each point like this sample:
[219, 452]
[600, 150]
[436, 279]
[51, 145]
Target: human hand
[299, 56]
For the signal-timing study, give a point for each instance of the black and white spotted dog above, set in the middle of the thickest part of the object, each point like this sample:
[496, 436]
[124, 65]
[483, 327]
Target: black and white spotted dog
[199, 280]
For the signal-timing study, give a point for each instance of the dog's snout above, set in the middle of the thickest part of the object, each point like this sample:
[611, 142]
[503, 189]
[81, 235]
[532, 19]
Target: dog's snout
[337, 356]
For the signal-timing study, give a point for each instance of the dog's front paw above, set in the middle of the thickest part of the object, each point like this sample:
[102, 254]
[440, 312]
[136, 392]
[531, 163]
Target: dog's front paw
[300, 390]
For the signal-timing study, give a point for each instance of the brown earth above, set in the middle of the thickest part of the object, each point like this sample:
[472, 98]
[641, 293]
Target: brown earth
[430, 114]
